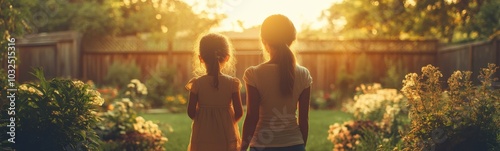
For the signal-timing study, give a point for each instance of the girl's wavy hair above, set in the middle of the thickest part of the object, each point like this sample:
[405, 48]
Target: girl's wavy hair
[213, 48]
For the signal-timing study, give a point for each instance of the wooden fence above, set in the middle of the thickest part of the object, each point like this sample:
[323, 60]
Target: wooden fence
[58, 53]
[324, 59]
[62, 55]
[469, 57]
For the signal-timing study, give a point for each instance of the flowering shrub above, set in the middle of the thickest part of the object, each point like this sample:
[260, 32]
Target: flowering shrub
[348, 135]
[136, 88]
[383, 109]
[56, 115]
[120, 72]
[176, 104]
[109, 94]
[136, 92]
[387, 107]
[121, 129]
[463, 117]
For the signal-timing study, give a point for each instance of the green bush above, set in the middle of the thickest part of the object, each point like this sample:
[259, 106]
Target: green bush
[119, 73]
[160, 84]
[326, 100]
[3, 84]
[4, 104]
[349, 135]
[176, 104]
[461, 117]
[346, 81]
[395, 74]
[56, 114]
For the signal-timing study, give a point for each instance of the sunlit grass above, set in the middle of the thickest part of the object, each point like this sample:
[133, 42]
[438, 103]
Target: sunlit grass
[319, 121]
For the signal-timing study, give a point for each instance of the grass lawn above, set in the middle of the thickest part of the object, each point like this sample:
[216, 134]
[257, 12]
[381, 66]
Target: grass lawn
[319, 121]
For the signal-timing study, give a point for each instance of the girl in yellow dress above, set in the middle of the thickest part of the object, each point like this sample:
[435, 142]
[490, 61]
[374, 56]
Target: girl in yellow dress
[214, 97]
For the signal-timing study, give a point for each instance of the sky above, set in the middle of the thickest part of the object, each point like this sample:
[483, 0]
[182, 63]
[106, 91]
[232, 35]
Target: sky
[253, 12]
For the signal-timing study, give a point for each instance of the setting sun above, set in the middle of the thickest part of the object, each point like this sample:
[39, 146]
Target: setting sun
[252, 13]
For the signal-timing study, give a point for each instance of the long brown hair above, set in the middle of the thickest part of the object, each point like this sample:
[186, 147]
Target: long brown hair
[278, 32]
[215, 51]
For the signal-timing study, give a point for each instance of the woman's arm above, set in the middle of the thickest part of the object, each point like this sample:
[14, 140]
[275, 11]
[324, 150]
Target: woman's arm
[238, 109]
[252, 117]
[192, 105]
[304, 100]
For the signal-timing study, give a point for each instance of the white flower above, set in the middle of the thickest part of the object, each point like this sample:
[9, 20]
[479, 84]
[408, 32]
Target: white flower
[120, 106]
[136, 126]
[31, 90]
[130, 85]
[141, 88]
[149, 123]
[35, 91]
[97, 101]
[78, 83]
[164, 139]
[141, 131]
[127, 100]
[140, 119]
[135, 81]
[23, 87]
[155, 126]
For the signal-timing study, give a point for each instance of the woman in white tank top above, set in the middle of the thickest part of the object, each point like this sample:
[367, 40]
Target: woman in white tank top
[276, 89]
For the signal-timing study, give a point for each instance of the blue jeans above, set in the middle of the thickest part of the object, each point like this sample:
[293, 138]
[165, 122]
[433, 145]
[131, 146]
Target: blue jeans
[300, 147]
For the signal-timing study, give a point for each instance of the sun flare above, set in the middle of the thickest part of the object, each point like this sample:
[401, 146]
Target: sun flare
[248, 13]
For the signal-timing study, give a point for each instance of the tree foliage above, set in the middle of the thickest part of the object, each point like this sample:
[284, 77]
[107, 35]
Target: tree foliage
[13, 17]
[448, 20]
[98, 18]
[91, 17]
[165, 16]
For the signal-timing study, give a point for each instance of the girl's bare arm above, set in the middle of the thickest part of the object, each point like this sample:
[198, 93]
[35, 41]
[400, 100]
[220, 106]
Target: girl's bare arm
[192, 105]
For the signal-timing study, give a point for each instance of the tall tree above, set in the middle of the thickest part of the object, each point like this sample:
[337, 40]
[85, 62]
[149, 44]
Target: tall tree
[169, 16]
[443, 18]
[487, 20]
[90, 17]
[98, 18]
[14, 15]
[449, 20]
[367, 18]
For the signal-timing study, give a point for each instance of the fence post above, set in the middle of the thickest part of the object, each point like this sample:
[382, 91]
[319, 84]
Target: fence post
[497, 51]
[471, 58]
